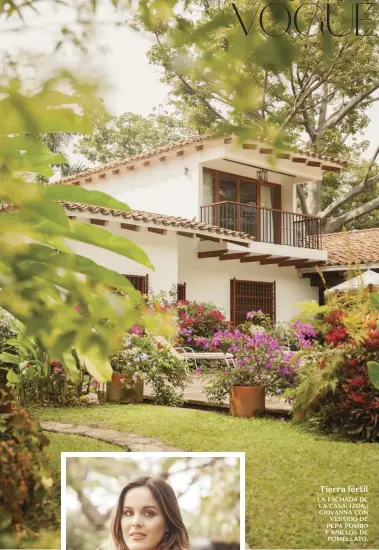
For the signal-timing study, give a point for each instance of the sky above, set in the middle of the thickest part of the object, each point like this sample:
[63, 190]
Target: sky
[118, 57]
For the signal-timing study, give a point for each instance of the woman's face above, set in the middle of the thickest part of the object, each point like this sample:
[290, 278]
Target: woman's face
[143, 523]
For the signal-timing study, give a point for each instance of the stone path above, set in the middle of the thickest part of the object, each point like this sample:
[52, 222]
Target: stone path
[129, 442]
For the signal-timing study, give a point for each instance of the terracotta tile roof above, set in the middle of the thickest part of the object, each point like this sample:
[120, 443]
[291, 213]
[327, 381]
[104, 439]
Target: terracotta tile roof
[352, 247]
[119, 163]
[151, 218]
[177, 145]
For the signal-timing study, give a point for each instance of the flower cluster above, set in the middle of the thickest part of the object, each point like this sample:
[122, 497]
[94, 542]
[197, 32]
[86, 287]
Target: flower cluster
[56, 367]
[303, 334]
[259, 361]
[197, 321]
[343, 400]
[141, 358]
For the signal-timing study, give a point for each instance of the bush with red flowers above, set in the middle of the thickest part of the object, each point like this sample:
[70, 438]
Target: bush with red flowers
[198, 320]
[335, 390]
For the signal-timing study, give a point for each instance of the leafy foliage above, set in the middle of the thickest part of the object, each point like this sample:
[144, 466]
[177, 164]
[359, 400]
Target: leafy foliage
[305, 88]
[198, 320]
[117, 138]
[141, 358]
[335, 391]
[37, 265]
[25, 479]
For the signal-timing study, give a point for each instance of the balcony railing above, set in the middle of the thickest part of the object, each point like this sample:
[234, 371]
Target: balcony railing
[265, 224]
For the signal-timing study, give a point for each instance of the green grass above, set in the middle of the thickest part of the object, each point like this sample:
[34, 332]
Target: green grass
[62, 443]
[285, 466]
[48, 529]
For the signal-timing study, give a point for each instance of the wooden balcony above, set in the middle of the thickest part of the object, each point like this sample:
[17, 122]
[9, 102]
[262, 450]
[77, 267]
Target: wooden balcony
[265, 224]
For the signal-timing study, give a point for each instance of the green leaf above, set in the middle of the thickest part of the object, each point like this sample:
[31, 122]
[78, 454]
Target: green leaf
[105, 239]
[374, 299]
[100, 368]
[77, 231]
[6, 357]
[42, 257]
[70, 366]
[70, 193]
[373, 372]
[12, 377]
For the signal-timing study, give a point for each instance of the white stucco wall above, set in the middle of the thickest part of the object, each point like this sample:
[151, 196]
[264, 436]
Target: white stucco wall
[167, 188]
[208, 279]
[162, 187]
[162, 251]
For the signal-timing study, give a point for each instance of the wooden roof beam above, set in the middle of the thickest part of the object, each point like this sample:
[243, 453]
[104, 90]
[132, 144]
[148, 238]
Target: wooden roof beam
[211, 253]
[274, 260]
[255, 258]
[207, 238]
[157, 230]
[234, 256]
[131, 227]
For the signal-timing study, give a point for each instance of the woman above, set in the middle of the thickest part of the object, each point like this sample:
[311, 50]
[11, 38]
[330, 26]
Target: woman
[147, 517]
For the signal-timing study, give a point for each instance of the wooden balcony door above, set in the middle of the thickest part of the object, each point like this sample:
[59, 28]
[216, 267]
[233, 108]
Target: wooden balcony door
[235, 216]
[230, 193]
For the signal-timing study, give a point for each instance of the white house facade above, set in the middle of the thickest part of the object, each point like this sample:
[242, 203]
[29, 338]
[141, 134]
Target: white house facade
[217, 219]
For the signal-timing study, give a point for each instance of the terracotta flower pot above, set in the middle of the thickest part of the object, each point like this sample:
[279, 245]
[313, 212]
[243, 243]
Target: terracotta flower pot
[247, 401]
[117, 393]
[299, 416]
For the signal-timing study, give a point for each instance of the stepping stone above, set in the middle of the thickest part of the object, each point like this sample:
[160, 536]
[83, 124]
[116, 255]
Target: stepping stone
[129, 442]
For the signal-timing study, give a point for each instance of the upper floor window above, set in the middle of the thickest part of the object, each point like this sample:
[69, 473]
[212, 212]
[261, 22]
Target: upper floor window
[221, 187]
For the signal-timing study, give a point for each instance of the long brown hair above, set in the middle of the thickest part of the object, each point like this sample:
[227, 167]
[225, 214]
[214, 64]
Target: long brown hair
[177, 537]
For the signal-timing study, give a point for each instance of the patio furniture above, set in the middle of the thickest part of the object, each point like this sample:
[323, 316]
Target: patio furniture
[188, 354]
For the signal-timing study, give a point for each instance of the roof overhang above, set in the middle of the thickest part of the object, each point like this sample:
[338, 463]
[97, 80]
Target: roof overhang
[302, 166]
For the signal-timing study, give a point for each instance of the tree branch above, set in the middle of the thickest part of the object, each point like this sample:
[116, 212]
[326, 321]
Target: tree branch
[336, 117]
[338, 223]
[353, 192]
[370, 166]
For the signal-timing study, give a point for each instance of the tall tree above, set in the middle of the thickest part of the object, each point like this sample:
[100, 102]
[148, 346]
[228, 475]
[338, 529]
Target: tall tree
[314, 93]
[116, 138]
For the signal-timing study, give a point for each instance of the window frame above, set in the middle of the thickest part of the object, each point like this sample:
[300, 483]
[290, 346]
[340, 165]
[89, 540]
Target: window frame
[142, 280]
[271, 297]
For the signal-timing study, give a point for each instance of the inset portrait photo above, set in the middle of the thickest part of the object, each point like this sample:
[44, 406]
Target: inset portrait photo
[153, 501]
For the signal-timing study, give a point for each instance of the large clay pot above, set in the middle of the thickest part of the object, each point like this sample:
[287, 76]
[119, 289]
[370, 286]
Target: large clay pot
[299, 416]
[117, 393]
[246, 400]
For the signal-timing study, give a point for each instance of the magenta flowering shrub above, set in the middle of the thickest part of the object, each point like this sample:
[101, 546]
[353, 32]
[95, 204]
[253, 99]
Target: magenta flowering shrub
[303, 334]
[259, 360]
[197, 321]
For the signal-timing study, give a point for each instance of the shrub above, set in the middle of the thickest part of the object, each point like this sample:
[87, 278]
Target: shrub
[353, 408]
[198, 320]
[25, 480]
[143, 359]
[259, 362]
[334, 388]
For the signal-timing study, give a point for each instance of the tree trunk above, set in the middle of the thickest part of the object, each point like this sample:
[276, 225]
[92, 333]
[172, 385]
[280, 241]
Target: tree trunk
[314, 198]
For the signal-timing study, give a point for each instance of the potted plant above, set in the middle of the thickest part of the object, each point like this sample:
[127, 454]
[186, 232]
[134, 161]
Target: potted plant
[262, 368]
[126, 385]
[246, 391]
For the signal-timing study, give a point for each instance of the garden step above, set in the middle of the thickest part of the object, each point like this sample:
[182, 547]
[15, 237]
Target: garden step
[129, 442]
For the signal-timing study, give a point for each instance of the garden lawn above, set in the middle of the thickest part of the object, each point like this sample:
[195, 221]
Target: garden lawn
[48, 528]
[285, 466]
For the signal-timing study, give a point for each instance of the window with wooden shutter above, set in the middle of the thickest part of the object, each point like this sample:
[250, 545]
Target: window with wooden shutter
[181, 291]
[140, 282]
[248, 296]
